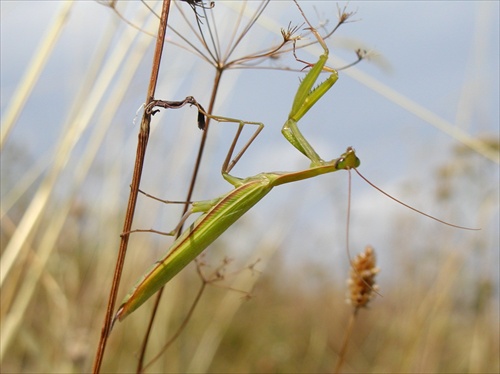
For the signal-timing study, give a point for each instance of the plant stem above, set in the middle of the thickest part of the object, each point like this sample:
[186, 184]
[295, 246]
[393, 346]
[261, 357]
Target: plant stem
[143, 138]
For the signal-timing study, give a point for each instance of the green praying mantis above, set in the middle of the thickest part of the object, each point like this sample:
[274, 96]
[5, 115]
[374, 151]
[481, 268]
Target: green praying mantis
[219, 214]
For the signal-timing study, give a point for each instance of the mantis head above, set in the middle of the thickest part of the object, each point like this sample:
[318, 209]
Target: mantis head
[348, 160]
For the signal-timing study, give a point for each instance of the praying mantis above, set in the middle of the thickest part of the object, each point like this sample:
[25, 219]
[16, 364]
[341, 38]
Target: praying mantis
[219, 214]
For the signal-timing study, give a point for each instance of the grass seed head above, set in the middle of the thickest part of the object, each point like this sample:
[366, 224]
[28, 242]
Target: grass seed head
[362, 278]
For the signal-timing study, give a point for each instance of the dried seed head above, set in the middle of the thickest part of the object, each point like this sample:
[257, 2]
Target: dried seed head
[362, 278]
[343, 15]
[289, 33]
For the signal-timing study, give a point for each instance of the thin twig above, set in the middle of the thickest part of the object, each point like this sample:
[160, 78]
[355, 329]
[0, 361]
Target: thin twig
[143, 138]
[345, 341]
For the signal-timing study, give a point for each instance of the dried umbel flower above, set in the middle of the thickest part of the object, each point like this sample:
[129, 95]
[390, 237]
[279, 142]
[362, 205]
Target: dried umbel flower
[361, 282]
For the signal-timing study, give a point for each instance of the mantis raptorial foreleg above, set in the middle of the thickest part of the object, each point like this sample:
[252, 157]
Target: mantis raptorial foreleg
[307, 95]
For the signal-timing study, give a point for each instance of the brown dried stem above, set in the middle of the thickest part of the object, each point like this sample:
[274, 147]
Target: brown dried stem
[143, 138]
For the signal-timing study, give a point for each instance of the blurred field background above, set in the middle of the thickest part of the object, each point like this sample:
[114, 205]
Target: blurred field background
[423, 116]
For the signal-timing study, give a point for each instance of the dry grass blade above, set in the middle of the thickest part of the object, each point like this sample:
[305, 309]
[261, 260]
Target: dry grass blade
[40, 57]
